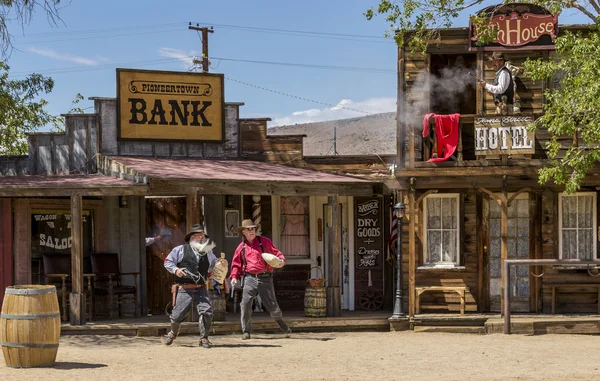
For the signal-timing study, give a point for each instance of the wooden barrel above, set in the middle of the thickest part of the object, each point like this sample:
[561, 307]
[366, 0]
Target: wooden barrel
[219, 303]
[315, 302]
[30, 326]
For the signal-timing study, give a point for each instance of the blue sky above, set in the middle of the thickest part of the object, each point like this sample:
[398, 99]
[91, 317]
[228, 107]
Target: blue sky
[96, 37]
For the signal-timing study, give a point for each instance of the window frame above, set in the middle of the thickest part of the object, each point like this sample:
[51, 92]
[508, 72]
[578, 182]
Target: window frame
[426, 261]
[594, 222]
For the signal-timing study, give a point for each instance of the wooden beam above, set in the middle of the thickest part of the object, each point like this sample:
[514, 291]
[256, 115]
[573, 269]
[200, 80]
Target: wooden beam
[20, 191]
[77, 296]
[192, 209]
[412, 259]
[334, 294]
[264, 188]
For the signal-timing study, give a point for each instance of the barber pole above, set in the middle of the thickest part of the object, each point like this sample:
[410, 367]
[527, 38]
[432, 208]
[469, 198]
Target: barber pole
[256, 213]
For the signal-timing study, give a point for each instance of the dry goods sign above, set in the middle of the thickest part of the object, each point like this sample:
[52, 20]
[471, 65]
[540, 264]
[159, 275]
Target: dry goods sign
[369, 232]
[504, 135]
[176, 106]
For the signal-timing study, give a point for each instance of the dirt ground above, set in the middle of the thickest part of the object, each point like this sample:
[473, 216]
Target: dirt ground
[324, 356]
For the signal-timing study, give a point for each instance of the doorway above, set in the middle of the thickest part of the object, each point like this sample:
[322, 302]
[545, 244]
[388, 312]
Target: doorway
[518, 248]
[344, 252]
[165, 216]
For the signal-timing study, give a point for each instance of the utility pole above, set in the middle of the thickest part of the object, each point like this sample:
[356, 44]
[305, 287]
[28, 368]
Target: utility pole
[205, 31]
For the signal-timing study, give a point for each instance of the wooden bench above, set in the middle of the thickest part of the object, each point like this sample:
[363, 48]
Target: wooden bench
[580, 285]
[459, 289]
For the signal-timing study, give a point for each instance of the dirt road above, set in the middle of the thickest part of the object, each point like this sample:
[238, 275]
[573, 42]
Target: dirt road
[324, 356]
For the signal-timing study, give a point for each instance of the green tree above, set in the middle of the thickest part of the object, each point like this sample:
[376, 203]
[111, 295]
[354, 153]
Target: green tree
[20, 112]
[572, 108]
[21, 109]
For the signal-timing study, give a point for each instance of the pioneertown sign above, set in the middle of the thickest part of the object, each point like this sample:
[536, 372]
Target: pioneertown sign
[159, 105]
[515, 30]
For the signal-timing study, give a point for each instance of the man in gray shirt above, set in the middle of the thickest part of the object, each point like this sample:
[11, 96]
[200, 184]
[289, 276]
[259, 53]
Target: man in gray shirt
[192, 264]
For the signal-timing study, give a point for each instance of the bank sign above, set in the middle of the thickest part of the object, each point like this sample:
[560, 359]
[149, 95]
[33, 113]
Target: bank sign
[176, 106]
[504, 135]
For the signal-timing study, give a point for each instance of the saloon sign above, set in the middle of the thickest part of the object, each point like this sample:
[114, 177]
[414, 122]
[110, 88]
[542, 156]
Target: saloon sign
[159, 105]
[516, 30]
[504, 135]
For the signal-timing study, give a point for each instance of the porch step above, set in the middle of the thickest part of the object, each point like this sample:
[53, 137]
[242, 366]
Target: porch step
[451, 329]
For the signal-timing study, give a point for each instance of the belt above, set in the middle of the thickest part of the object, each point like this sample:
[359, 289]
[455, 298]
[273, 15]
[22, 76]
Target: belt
[261, 275]
[190, 286]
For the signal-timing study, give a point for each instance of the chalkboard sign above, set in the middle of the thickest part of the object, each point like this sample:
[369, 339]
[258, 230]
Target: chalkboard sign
[368, 232]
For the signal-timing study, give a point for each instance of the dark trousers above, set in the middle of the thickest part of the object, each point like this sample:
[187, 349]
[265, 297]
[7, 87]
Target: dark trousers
[262, 286]
[199, 297]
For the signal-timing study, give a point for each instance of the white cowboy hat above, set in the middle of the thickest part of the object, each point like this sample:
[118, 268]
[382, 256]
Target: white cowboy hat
[272, 260]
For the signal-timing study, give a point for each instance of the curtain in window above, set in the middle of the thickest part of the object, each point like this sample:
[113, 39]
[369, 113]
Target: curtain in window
[294, 239]
[442, 229]
[577, 227]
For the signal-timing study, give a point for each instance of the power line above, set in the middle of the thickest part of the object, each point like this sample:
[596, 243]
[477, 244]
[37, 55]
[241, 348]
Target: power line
[86, 31]
[295, 96]
[348, 68]
[298, 32]
[98, 37]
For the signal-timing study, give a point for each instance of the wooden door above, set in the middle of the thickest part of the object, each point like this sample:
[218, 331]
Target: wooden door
[165, 216]
[6, 237]
[518, 248]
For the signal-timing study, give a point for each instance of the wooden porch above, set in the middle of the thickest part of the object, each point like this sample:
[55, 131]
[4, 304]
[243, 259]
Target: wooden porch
[355, 321]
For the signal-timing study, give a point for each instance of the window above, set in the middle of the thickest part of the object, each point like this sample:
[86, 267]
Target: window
[577, 221]
[441, 229]
[294, 238]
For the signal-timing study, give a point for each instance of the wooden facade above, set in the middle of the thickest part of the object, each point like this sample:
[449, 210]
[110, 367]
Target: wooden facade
[500, 209]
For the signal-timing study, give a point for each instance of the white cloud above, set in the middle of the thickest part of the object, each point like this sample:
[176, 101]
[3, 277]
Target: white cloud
[65, 57]
[343, 110]
[185, 57]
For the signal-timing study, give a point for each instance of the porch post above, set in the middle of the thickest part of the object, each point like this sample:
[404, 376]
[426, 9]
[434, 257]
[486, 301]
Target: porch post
[334, 295]
[77, 296]
[192, 209]
[412, 255]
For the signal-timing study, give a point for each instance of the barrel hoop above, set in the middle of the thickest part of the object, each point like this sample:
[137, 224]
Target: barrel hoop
[27, 345]
[30, 317]
[30, 291]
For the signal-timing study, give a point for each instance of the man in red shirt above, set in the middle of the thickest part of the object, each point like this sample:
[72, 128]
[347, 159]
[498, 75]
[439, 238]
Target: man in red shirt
[248, 263]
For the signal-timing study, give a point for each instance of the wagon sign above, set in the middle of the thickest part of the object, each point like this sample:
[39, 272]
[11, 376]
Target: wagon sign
[158, 105]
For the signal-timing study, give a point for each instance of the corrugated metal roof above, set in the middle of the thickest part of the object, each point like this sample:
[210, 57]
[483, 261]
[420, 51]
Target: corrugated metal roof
[216, 169]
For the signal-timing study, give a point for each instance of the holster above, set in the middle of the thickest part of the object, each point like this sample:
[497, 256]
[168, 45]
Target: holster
[174, 289]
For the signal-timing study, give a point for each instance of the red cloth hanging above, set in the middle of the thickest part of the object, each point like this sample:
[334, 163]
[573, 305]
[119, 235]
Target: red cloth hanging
[446, 133]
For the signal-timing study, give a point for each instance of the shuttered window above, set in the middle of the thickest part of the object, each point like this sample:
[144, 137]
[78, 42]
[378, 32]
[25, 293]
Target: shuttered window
[577, 222]
[441, 228]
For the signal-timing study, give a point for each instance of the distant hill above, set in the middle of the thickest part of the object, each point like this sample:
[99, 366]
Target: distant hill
[367, 135]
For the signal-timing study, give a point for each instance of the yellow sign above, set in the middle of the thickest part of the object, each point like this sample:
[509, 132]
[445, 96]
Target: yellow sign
[163, 105]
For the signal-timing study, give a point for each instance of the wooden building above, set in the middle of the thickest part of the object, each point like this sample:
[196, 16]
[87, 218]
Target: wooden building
[483, 205]
[131, 170]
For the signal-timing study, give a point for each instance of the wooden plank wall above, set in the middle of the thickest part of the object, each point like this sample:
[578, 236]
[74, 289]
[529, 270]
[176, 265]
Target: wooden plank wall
[6, 248]
[256, 145]
[444, 302]
[570, 300]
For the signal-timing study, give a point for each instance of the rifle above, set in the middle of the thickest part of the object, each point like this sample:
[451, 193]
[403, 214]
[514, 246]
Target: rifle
[478, 79]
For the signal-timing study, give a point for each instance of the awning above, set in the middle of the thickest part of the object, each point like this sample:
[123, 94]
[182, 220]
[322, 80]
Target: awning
[65, 185]
[222, 176]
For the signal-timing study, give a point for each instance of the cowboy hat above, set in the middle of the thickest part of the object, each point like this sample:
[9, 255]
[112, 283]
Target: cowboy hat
[496, 56]
[272, 260]
[246, 224]
[197, 228]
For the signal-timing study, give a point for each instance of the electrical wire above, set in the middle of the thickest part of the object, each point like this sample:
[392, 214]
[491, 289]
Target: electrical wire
[297, 97]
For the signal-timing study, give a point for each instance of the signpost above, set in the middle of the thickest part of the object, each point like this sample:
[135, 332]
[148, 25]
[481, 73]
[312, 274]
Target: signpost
[501, 135]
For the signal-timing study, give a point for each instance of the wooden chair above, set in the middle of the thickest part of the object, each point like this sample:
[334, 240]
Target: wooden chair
[108, 281]
[57, 271]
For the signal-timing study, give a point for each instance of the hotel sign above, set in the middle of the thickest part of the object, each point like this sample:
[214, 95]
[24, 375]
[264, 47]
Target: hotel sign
[159, 105]
[515, 30]
[504, 135]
